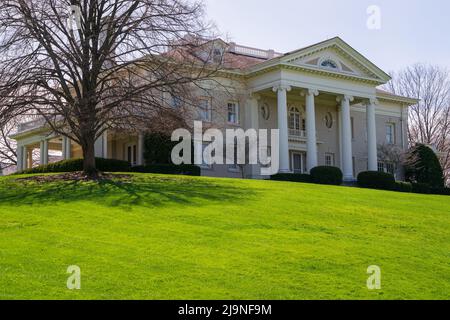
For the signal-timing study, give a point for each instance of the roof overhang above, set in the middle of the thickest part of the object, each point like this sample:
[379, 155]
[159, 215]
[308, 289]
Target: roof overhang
[396, 98]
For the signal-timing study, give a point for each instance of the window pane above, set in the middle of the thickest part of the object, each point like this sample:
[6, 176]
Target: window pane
[232, 113]
[204, 110]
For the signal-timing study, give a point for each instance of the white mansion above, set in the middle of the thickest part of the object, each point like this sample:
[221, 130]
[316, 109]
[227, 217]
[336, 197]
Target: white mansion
[323, 99]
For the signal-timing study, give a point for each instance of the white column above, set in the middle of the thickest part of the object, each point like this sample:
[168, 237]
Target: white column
[347, 154]
[66, 148]
[283, 127]
[45, 152]
[41, 152]
[24, 158]
[105, 145]
[30, 158]
[19, 158]
[311, 135]
[140, 159]
[372, 153]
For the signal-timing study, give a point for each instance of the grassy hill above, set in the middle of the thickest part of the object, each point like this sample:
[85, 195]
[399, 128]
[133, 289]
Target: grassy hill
[167, 237]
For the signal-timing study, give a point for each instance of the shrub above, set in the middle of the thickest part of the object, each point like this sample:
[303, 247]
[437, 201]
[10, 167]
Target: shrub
[184, 169]
[441, 191]
[292, 177]
[158, 148]
[376, 180]
[326, 175]
[421, 188]
[403, 187]
[423, 166]
[72, 165]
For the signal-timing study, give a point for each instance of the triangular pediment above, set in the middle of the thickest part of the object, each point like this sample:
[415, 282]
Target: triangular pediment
[335, 56]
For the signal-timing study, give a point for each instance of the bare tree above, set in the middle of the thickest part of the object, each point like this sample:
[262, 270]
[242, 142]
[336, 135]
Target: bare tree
[429, 120]
[87, 66]
[8, 156]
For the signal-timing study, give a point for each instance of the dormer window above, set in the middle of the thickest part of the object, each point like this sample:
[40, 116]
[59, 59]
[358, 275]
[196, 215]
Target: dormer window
[328, 63]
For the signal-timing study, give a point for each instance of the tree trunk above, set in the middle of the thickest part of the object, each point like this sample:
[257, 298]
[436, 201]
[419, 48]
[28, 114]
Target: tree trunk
[89, 167]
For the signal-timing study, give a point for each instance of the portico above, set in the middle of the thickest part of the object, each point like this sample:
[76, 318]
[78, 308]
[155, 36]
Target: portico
[288, 95]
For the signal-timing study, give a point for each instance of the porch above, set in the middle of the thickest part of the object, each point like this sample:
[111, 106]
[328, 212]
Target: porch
[42, 148]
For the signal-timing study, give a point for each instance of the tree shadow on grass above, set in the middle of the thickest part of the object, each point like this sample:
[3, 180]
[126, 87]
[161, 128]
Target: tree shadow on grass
[149, 191]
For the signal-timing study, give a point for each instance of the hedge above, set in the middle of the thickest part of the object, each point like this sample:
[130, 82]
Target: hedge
[421, 188]
[292, 177]
[326, 175]
[441, 191]
[72, 165]
[403, 186]
[184, 169]
[376, 180]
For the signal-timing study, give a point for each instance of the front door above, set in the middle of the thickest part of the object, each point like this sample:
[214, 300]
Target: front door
[298, 162]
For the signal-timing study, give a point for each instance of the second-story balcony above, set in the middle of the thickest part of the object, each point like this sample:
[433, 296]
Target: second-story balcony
[297, 134]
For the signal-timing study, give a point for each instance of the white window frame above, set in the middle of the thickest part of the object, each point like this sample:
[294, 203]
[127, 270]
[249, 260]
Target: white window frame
[295, 119]
[390, 137]
[331, 156]
[236, 112]
[208, 112]
[302, 161]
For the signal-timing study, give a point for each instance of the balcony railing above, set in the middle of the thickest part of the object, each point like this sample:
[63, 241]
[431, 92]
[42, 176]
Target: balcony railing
[297, 134]
[253, 52]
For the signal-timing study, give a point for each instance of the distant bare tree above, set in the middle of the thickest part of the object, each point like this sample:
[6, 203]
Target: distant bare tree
[87, 66]
[429, 120]
[8, 156]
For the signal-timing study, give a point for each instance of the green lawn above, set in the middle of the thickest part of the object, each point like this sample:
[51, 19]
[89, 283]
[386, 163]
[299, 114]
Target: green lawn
[168, 237]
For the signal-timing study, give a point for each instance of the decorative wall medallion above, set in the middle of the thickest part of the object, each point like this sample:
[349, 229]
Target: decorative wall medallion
[329, 120]
[265, 111]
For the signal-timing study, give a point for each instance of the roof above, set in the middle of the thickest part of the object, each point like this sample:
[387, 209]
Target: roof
[383, 94]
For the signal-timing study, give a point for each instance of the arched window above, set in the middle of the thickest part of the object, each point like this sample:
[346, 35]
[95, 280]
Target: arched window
[294, 118]
[328, 63]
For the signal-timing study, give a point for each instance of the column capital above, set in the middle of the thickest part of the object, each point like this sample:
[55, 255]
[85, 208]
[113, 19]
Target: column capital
[253, 95]
[372, 101]
[345, 97]
[282, 88]
[309, 92]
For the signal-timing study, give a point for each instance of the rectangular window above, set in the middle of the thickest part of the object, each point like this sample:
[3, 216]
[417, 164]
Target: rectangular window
[387, 167]
[329, 159]
[233, 113]
[390, 133]
[204, 110]
[297, 162]
[390, 168]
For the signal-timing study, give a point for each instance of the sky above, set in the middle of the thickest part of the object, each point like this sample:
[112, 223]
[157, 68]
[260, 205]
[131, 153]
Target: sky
[405, 33]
